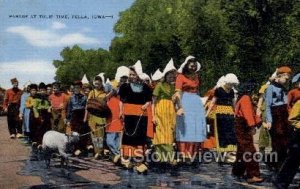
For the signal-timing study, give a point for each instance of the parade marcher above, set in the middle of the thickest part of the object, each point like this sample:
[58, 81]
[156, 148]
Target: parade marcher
[58, 102]
[24, 114]
[115, 124]
[191, 121]
[277, 114]
[11, 105]
[30, 102]
[49, 89]
[135, 99]
[224, 115]
[210, 142]
[95, 115]
[164, 115]
[75, 116]
[264, 138]
[156, 77]
[245, 123]
[42, 116]
[86, 89]
[291, 164]
[294, 94]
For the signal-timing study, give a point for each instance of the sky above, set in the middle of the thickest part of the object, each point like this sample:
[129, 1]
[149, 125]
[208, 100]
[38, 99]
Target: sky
[34, 32]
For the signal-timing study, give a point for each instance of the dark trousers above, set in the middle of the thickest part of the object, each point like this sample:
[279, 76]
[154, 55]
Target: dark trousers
[291, 164]
[279, 132]
[79, 126]
[13, 122]
[245, 151]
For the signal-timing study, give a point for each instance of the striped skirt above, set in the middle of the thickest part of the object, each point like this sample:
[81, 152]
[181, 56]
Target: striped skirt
[165, 119]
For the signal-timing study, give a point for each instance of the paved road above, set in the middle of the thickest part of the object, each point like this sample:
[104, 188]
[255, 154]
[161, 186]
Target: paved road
[21, 168]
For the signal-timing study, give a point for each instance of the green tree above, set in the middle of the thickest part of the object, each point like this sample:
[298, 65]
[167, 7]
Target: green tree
[76, 62]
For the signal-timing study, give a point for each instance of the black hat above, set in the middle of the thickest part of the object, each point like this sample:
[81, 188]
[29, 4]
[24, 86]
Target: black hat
[246, 87]
[33, 86]
[77, 83]
[42, 86]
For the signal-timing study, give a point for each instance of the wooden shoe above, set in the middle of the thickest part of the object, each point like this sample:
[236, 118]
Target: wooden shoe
[116, 158]
[142, 168]
[12, 136]
[255, 180]
[19, 135]
[126, 164]
[77, 152]
[90, 147]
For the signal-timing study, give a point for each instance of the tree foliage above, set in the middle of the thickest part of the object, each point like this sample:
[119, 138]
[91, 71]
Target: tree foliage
[247, 37]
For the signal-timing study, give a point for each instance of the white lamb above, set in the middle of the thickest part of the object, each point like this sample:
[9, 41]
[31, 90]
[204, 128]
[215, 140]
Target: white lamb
[55, 141]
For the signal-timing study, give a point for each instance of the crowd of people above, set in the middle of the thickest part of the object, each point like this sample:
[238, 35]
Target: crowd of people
[135, 115]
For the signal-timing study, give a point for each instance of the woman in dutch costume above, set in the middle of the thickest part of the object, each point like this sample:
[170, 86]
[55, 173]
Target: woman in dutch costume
[135, 98]
[164, 115]
[210, 142]
[224, 99]
[190, 122]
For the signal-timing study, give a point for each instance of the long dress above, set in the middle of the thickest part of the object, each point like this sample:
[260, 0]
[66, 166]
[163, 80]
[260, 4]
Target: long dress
[190, 127]
[26, 113]
[133, 97]
[224, 121]
[166, 119]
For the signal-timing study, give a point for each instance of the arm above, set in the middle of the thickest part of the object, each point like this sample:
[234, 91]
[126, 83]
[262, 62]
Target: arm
[290, 100]
[211, 105]
[148, 94]
[22, 107]
[69, 110]
[248, 111]
[121, 106]
[154, 101]
[5, 101]
[259, 105]
[294, 117]
[268, 100]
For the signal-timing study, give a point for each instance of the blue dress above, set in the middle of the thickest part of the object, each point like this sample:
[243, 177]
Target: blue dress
[26, 112]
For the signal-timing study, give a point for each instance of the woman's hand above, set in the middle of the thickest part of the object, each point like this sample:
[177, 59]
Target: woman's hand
[180, 112]
[268, 125]
[121, 115]
[176, 96]
[154, 121]
[145, 106]
[20, 116]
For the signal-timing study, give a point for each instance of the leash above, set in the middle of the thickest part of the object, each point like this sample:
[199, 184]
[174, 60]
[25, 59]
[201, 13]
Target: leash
[136, 126]
[99, 128]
